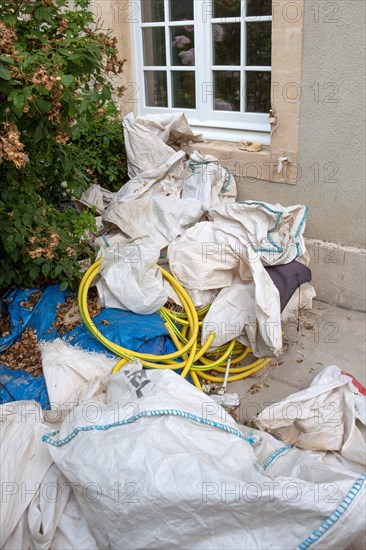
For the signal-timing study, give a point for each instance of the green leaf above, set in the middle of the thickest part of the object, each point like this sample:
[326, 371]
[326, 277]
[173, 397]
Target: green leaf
[27, 219]
[64, 51]
[7, 60]
[75, 57]
[4, 73]
[75, 131]
[42, 14]
[107, 92]
[14, 255]
[46, 269]
[39, 132]
[67, 80]
[29, 60]
[8, 243]
[64, 285]
[43, 106]
[66, 165]
[84, 106]
[5, 87]
[9, 19]
[19, 102]
[33, 272]
[93, 48]
[58, 269]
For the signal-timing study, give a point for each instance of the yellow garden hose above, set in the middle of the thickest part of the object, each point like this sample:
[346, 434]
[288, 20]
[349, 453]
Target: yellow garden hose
[119, 350]
[210, 378]
[194, 360]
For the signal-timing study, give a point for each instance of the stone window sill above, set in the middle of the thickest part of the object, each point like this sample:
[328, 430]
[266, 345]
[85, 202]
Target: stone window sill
[261, 165]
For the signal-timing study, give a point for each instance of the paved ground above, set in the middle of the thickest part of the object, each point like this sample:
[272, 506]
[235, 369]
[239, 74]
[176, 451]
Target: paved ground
[328, 336]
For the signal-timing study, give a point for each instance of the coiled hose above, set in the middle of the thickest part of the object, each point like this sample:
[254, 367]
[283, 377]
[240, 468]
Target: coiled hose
[184, 329]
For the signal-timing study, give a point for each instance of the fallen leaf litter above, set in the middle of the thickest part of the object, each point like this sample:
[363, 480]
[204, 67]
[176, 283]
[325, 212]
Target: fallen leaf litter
[25, 354]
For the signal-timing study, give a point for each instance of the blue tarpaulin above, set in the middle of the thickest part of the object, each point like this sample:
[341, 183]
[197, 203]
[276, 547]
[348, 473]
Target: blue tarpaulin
[17, 385]
[145, 333]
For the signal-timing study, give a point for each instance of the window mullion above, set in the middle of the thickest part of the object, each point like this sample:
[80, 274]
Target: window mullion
[243, 58]
[258, 18]
[140, 74]
[200, 61]
[209, 87]
[266, 68]
[229, 68]
[168, 54]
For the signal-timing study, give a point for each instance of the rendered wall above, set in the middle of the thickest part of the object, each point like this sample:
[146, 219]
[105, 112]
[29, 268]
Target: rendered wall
[332, 127]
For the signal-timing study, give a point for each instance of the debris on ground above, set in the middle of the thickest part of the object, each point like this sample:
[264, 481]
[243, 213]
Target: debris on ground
[32, 300]
[257, 387]
[24, 354]
[5, 325]
[307, 326]
[68, 315]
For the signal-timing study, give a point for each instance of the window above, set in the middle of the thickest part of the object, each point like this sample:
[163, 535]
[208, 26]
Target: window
[209, 58]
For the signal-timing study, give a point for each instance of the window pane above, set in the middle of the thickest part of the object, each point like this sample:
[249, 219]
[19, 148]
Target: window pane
[226, 40]
[259, 43]
[152, 10]
[184, 89]
[259, 7]
[182, 44]
[181, 10]
[258, 91]
[226, 91]
[156, 89]
[154, 46]
[226, 8]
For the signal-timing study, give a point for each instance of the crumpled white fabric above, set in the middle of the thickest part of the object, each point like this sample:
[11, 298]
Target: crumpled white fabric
[322, 417]
[174, 467]
[146, 138]
[232, 315]
[96, 196]
[38, 507]
[235, 245]
[129, 277]
[158, 218]
[164, 179]
[301, 299]
[21, 430]
[208, 181]
[67, 369]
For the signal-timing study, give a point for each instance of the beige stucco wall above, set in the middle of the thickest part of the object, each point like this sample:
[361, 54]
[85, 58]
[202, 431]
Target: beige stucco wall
[333, 133]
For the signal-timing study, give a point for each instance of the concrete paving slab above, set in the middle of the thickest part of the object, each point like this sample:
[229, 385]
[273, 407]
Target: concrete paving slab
[328, 335]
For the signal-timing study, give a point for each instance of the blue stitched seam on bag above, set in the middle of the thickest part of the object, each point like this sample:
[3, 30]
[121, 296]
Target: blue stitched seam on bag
[272, 457]
[48, 438]
[335, 516]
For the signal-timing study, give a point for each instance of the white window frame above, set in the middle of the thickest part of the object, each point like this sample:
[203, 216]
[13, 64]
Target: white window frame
[214, 124]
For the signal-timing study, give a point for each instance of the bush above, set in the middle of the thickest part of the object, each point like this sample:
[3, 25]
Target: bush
[59, 132]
